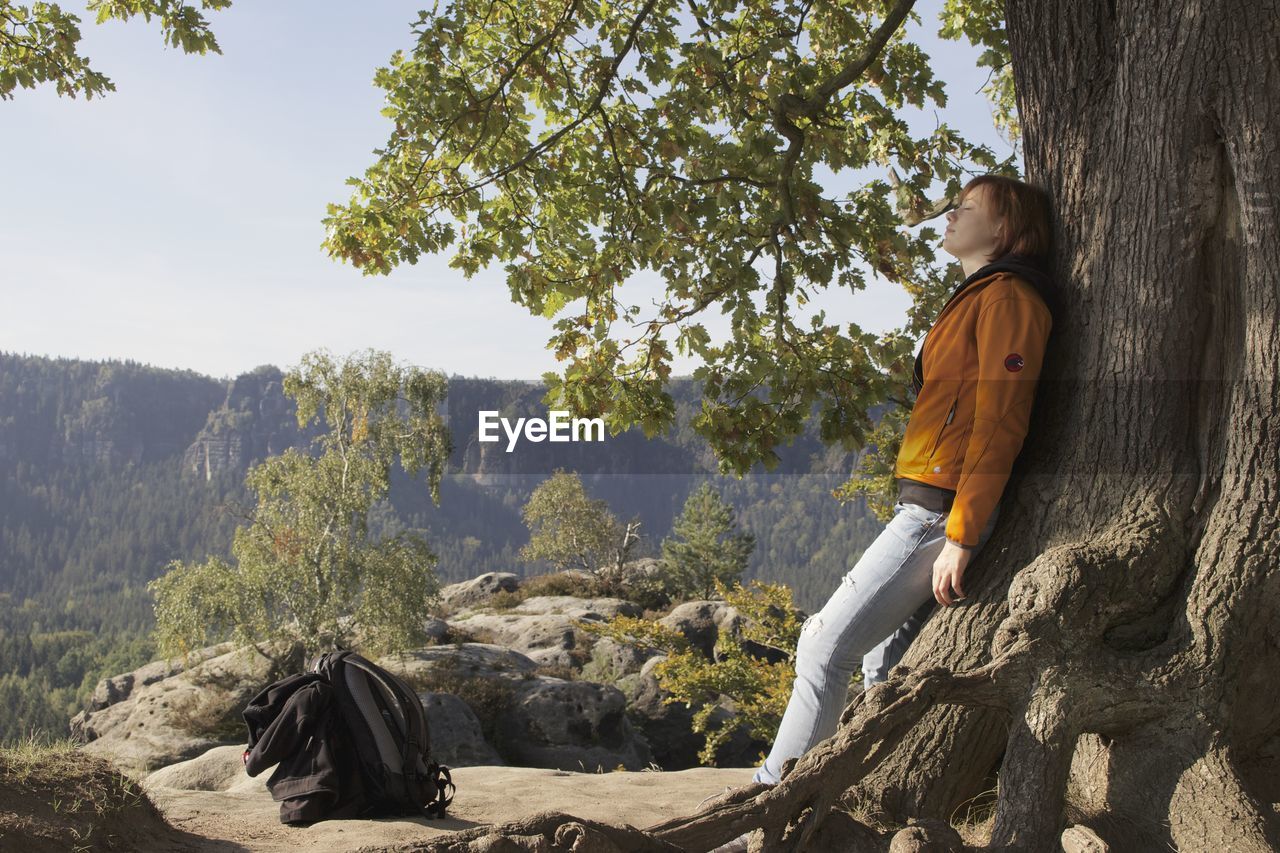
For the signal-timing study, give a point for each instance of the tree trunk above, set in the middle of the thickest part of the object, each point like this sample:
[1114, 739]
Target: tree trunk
[1117, 656]
[1141, 520]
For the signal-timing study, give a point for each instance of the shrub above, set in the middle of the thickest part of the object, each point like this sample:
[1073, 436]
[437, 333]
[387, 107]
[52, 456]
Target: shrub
[758, 689]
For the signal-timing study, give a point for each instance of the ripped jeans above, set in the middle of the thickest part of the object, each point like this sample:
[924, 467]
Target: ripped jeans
[879, 607]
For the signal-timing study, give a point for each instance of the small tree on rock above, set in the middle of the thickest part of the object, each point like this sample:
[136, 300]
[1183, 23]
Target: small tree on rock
[303, 568]
[705, 547]
[573, 531]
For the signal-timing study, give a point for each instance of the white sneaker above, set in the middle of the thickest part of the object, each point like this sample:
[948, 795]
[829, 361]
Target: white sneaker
[737, 845]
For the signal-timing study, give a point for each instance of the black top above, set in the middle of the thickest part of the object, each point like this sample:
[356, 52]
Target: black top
[927, 495]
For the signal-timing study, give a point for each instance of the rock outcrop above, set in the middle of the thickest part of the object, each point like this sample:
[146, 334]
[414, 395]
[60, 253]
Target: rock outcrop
[428, 665]
[157, 719]
[545, 627]
[571, 725]
[256, 420]
[457, 739]
[457, 596]
[539, 690]
[701, 621]
[533, 720]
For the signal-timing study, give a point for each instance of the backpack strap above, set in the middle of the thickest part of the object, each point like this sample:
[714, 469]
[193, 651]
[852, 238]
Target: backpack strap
[440, 778]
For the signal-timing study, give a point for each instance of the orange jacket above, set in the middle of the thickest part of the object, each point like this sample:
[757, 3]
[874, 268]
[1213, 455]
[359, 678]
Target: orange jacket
[981, 361]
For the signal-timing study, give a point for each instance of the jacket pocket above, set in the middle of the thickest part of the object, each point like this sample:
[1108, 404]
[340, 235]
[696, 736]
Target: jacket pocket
[951, 452]
[937, 438]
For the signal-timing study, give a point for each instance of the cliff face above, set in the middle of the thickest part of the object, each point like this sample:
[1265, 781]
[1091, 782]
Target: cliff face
[68, 412]
[256, 420]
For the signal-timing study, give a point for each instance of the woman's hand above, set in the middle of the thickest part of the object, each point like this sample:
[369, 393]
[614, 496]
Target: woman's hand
[948, 570]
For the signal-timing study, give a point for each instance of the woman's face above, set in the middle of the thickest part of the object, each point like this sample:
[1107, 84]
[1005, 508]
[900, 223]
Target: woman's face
[971, 229]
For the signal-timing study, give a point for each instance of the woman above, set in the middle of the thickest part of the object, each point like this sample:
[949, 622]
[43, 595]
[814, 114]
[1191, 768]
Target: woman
[975, 379]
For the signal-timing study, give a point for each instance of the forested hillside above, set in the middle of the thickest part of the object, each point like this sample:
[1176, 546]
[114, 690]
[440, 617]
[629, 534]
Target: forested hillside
[108, 470]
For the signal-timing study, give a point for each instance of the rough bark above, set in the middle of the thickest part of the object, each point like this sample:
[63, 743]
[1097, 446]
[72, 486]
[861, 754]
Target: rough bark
[1155, 128]
[1116, 658]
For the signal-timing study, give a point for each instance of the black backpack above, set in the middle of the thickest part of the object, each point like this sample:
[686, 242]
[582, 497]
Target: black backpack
[387, 726]
[350, 739]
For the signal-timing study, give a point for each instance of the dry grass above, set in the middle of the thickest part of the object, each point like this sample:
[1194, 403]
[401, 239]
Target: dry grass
[553, 583]
[974, 818]
[56, 797]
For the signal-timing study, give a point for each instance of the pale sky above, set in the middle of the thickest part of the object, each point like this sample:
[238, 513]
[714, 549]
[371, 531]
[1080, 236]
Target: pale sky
[177, 221]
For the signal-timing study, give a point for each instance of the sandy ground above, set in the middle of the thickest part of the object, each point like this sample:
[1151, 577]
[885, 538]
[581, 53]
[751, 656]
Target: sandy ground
[238, 814]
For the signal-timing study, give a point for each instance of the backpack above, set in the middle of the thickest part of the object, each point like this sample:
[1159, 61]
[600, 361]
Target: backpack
[349, 740]
[386, 726]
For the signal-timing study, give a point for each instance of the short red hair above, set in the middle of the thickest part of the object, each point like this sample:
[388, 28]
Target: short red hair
[1022, 209]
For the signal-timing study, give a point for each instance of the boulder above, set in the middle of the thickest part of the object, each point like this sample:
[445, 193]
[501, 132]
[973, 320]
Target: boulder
[594, 609]
[216, 769]
[456, 596]
[642, 570]
[570, 725]
[548, 639]
[465, 660]
[645, 580]
[700, 622]
[534, 720]
[456, 738]
[436, 630]
[612, 661]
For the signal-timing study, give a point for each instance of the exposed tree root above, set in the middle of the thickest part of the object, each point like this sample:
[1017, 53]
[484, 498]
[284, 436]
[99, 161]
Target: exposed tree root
[543, 832]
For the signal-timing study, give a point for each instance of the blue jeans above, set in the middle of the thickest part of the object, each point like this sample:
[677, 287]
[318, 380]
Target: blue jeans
[879, 607]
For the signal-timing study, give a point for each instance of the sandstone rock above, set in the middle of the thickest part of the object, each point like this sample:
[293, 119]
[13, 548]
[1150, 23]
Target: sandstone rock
[571, 725]
[467, 660]
[612, 661]
[596, 609]
[436, 630]
[645, 580]
[467, 593]
[181, 716]
[547, 639]
[700, 622]
[118, 688]
[216, 769]
[642, 569]
[456, 738]
[542, 721]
